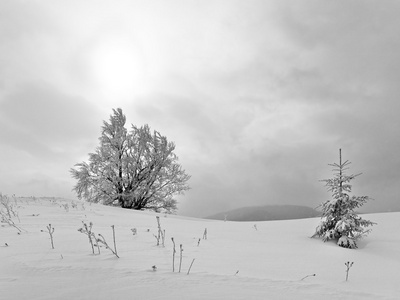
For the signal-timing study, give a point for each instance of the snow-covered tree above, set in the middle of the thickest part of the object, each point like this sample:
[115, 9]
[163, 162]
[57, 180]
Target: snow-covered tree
[339, 220]
[136, 169]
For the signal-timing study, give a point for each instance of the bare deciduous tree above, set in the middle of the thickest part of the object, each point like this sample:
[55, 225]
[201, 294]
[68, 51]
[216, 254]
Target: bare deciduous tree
[136, 169]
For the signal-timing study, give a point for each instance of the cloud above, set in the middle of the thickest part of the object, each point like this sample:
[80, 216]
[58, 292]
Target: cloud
[44, 133]
[257, 95]
[41, 110]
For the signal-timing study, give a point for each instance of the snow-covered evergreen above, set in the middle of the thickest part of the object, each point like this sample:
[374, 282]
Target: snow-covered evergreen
[339, 219]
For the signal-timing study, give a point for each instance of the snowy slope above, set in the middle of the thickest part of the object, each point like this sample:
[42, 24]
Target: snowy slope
[237, 261]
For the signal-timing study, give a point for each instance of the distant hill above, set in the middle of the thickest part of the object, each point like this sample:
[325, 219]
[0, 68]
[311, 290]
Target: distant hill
[267, 213]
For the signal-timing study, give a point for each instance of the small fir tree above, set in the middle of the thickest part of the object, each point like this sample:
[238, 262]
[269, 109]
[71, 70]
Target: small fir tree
[339, 220]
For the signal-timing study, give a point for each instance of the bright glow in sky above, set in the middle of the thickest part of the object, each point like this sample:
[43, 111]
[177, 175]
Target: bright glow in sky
[257, 95]
[118, 68]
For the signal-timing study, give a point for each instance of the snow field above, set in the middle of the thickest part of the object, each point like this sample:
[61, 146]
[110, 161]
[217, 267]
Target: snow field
[237, 261]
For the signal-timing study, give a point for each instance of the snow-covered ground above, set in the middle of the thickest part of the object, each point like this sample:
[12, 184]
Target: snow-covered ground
[248, 260]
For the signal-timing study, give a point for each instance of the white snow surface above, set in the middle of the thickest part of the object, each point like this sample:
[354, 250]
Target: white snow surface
[237, 260]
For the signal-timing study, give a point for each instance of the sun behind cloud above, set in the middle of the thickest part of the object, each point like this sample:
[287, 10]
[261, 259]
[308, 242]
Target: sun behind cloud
[118, 67]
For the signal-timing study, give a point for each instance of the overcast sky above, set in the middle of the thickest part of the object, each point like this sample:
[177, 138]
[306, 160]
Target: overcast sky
[257, 95]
